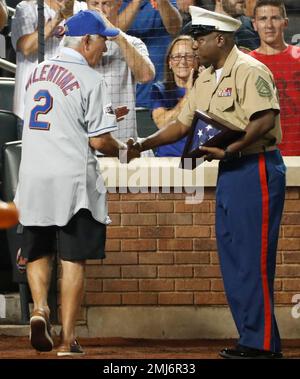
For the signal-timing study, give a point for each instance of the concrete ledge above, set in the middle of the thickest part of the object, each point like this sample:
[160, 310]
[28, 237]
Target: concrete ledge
[162, 323]
[165, 172]
[175, 322]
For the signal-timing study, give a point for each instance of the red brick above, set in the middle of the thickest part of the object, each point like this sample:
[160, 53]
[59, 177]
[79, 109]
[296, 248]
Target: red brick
[138, 219]
[216, 298]
[95, 298]
[93, 285]
[291, 206]
[192, 285]
[138, 196]
[175, 244]
[139, 298]
[156, 285]
[117, 285]
[207, 272]
[209, 193]
[139, 272]
[292, 193]
[116, 219]
[123, 207]
[212, 206]
[181, 206]
[192, 231]
[192, 258]
[175, 271]
[214, 258]
[217, 285]
[158, 207]
[176, 298]
[113, 197]
[114, 207]
[112, 245]
[138, 245]
[175, 219]
[291, 257]
[156, 258]
[205, 244]
[121, 258]
[157, 232]
[171, 196]
[103, 271]
[284, 297]
[290, 219]
[288, 271]
[279, 257]
[291, 284]
[278, 285]
[122, 232]
[289, 244]
[204, 219]
[291, 231]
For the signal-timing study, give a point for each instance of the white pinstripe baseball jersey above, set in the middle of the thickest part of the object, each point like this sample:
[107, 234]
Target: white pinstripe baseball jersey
[66, 103]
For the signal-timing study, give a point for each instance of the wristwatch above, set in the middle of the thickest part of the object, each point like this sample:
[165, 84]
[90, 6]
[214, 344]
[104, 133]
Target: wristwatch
[230, 156]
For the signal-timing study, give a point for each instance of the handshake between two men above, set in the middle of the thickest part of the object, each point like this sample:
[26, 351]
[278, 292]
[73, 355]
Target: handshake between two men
[132, 150]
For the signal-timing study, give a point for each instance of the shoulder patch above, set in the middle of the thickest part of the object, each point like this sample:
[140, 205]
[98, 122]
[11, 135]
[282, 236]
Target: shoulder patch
[108, 109]
[263, 87]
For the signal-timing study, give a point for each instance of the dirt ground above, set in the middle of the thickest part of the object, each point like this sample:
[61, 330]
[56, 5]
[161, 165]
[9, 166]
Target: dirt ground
[125, 348]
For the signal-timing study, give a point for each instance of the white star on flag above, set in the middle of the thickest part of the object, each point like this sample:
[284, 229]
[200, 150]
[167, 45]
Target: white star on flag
[203, 133]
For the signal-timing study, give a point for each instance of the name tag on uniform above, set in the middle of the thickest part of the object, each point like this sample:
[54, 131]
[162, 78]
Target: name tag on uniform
[225, 92]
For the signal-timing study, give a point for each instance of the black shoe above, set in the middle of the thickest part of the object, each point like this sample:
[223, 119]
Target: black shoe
[244, 352]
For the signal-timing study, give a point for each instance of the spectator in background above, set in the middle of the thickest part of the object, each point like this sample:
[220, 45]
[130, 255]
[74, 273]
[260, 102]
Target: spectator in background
[246, 37]
[3, 14]
[24, 35]
[183, 7]
[125, 63]
[270, 20]
[168, 97]
[155, 23]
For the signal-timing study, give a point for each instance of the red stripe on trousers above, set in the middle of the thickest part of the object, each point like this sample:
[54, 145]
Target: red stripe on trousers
[264, 251]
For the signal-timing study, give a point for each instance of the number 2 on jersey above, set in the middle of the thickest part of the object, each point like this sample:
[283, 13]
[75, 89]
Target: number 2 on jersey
[41, 109]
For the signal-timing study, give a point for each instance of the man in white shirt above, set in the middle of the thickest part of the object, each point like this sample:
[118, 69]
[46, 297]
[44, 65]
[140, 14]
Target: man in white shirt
[61, 196]
[125, 63]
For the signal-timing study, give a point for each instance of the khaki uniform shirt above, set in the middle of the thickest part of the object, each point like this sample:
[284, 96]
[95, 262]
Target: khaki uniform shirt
[246, 86]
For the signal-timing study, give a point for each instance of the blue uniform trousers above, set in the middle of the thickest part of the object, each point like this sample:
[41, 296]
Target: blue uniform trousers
[249, 203]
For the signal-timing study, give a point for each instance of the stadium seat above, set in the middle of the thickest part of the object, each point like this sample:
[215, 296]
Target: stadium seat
[11, 155]
[7, 86]
[8, 132]
[145, 124]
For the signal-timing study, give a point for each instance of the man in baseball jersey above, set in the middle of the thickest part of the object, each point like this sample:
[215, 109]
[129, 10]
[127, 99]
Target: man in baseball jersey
[61, 193]
[24, 37]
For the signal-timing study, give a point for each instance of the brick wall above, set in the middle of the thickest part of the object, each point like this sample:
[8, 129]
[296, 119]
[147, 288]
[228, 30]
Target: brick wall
[161, 251]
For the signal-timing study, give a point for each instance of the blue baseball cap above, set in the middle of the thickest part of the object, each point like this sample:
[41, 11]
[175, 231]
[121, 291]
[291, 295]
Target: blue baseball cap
[88, 22]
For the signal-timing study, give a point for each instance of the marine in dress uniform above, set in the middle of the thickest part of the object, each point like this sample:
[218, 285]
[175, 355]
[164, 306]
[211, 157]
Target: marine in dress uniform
[251, 179]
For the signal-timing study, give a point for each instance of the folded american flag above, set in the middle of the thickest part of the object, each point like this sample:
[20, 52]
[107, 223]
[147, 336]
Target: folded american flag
[203, 132]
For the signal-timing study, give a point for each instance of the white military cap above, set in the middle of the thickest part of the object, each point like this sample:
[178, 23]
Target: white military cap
[207, 21]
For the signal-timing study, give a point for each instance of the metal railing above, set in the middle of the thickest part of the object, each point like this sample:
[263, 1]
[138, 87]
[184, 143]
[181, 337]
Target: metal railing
[8, 66]
[11, 11]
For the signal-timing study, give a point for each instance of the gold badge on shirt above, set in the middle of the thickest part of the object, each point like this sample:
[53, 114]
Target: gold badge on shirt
[226, 92]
